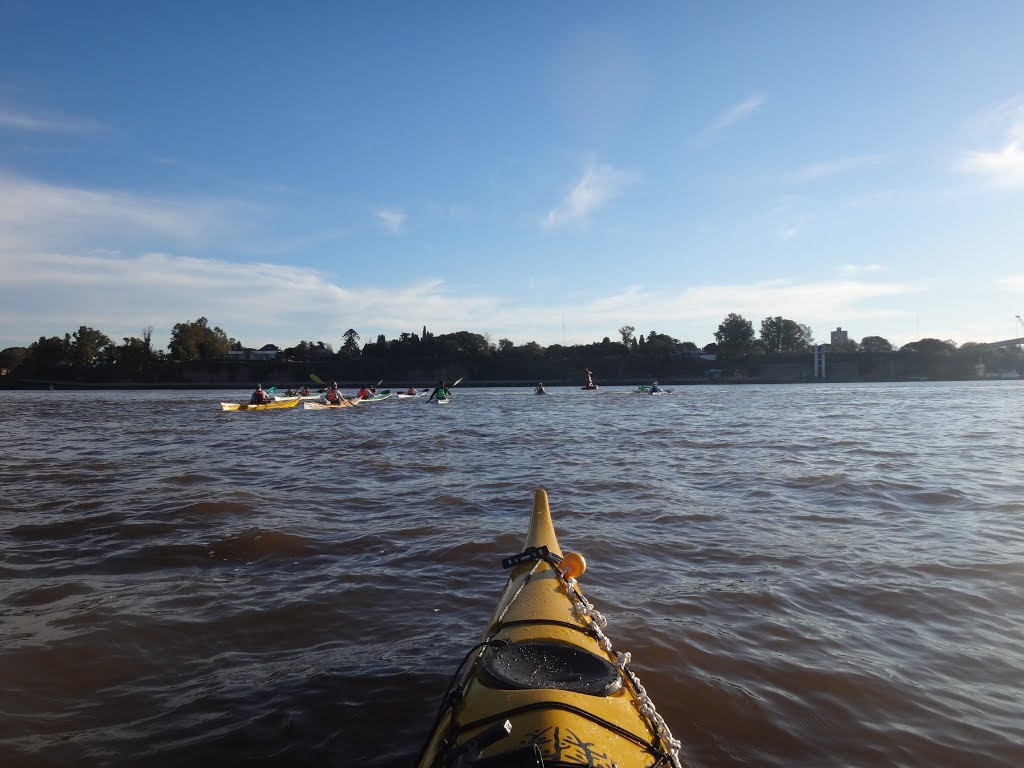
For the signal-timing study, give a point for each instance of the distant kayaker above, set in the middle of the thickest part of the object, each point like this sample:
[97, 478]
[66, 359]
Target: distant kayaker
[259, 397]
[290, 392]
[590, 379]
[440, 392]
[540, 389]
[411, 391]
[654, 388]
[333, 396]
[304, 391]
[364, 393]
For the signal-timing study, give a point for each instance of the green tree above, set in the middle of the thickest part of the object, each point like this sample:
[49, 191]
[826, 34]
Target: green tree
[197, 341]
[735, 336]
[996, 360]
[12, 357]
[88, 344]
[350, 347]
[532, 349]
[48, 354]
[626, 332]
[467, 343]
[930, 347]
[300, 352]
[778, 334]
[875, 344]
[135, 355]
[659, 345]
[931, 357]
[505, 346]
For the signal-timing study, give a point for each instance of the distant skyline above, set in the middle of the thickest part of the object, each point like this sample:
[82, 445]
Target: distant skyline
[537, 172]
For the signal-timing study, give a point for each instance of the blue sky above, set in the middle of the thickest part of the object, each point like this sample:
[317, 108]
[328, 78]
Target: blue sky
[534, 171]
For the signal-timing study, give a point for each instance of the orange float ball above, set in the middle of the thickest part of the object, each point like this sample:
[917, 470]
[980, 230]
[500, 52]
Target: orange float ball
[573, 565]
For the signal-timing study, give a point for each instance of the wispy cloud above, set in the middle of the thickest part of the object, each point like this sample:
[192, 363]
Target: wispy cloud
[1002, 167]
[598, 185]
[260, 302]
[735, 114]
[693, 314]
[392, 219]
[796, 299]
[40, 216]
[20, 120]
[786, 216]
[860, 269]
[257, 302]
[830, 168]
[1014, 283]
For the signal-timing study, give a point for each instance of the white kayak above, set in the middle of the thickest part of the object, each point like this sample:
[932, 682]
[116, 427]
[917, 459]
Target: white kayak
[406, 395]
[310, 405]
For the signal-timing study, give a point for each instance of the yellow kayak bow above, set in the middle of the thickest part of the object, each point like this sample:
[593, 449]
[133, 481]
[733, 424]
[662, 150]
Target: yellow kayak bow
[544, 687]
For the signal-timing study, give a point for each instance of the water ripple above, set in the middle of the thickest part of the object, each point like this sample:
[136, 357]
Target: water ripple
[805, 575]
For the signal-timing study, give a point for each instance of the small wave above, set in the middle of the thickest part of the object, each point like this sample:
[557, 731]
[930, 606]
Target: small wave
[191, 478]
[44, 595]
[703, 444]
[150, 558]
[817, 481]
[687, 517]
[257, 543]
[66, 528]
[211, 508]
[982, 571]
[940, 498]
[372, 444]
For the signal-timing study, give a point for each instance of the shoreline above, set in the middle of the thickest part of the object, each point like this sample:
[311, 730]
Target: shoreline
[43, 385]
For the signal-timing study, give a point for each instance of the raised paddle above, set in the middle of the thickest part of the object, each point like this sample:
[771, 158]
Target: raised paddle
[316, 378]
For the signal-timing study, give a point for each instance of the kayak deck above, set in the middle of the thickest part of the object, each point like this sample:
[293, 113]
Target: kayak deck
[311, 405]
[272, 405]
[545, 683]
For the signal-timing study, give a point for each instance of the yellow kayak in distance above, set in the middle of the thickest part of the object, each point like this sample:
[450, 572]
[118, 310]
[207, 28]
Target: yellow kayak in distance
[290, 402]
[544, 687]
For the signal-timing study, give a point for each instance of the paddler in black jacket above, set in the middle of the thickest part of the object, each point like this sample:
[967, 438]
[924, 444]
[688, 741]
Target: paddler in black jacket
[259, 397]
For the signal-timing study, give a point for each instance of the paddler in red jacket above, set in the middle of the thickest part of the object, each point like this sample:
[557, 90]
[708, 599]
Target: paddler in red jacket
[333, 396]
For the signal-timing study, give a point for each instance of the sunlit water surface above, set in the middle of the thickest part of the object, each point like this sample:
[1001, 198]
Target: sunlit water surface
[822, 575]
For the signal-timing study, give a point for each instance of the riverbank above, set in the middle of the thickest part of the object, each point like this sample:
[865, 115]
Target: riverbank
[59, 385]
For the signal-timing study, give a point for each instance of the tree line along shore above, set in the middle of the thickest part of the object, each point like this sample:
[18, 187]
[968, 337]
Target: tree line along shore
[199, 355]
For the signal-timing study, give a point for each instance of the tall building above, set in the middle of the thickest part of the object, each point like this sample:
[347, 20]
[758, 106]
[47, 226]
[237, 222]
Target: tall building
[839, 336]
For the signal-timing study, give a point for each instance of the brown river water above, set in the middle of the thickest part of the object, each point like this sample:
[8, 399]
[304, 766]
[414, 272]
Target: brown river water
[815, 575]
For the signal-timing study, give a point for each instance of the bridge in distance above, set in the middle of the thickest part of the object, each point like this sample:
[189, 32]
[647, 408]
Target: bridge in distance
[1007, 343]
